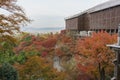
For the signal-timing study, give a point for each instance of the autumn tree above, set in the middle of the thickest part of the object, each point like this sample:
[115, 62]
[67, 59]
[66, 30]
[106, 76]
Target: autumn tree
[11, 18]
[38, 68]
[93, 57]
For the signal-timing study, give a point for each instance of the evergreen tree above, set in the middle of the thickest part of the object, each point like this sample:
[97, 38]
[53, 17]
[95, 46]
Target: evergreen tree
[8, 72]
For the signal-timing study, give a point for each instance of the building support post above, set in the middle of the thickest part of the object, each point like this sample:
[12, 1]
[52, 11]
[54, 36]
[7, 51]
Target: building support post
[117, 60]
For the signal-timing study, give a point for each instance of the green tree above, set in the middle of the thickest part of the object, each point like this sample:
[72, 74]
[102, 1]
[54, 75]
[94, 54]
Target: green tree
[7, 72]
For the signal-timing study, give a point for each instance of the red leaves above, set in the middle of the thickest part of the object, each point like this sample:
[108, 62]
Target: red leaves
[82, 68]
[84, 77]
[63, 32]
[59, 52]
[35, 44]
[93, 50]
[49, 43]
[44, 54]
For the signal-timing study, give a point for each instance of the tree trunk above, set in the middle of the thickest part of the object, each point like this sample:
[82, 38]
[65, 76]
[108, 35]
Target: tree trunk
[101, 72]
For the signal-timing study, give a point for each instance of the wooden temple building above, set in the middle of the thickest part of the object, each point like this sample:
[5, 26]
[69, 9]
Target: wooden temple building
[105, 16]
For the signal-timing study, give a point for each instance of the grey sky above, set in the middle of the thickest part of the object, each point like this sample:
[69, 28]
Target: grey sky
[51, 13]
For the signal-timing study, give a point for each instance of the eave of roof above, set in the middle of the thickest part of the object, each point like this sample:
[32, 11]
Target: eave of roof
[76, 15]
[108, 4]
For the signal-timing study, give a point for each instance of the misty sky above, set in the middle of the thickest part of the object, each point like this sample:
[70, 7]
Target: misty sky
[51, 13]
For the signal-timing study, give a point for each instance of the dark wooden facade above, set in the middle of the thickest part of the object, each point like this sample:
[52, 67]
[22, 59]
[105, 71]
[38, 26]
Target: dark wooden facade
[72, 24]
[107, 19]
[97, 18]
[79, 23]
[83, 22]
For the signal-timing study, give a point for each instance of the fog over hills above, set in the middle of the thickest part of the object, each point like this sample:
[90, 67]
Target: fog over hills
[42, 29]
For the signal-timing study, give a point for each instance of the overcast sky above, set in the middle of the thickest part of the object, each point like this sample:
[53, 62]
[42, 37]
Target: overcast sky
[51, 13]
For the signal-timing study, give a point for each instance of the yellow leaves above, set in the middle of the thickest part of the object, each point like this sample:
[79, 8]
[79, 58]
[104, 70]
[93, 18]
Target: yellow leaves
[33, 66]
[37, 67]
[14, 19]
[10, 23]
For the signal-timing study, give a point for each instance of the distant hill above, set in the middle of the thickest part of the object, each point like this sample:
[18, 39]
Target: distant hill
[46, 28]
[43, 30]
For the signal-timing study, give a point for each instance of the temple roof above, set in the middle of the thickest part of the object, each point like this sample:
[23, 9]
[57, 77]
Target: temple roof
[105, 5]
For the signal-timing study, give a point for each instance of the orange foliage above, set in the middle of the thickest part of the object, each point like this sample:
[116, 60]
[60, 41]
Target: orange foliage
[59, 52]
[31, 43]
[63, 32]
[49, 43]
[93, 50]
[11, 22]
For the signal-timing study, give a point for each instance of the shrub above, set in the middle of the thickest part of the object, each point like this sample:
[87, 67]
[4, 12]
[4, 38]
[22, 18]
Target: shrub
[7, 72]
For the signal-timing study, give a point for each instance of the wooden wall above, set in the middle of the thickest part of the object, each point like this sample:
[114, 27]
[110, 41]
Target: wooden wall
[72, 24]
[83, 22]
[105, 19]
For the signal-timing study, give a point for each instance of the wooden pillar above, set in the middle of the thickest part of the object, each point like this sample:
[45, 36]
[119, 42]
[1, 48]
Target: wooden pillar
[117, 60]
